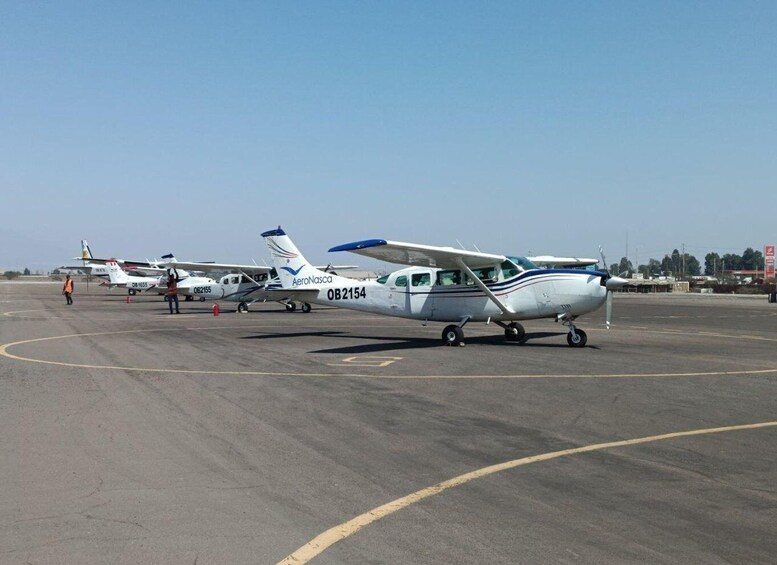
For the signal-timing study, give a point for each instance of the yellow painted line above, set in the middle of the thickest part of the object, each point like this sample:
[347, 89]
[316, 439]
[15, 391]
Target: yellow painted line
[323, 541]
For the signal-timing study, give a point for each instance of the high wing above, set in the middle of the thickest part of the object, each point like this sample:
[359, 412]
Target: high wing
[562, 262]
[213, 267]
[420, 255]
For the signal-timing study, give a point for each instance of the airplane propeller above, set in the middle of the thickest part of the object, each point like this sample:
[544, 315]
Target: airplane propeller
[610, 282]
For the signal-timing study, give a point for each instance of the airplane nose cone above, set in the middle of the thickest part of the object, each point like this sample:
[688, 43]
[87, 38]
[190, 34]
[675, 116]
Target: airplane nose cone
[614, 283]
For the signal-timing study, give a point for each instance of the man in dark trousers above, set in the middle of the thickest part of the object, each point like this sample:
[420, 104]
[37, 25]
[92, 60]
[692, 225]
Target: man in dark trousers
[67, 290]
[172, 293]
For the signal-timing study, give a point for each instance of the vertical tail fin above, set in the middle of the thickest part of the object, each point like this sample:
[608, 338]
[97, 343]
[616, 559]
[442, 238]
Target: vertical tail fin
[294, 271]
[86, 253]
[115, 274]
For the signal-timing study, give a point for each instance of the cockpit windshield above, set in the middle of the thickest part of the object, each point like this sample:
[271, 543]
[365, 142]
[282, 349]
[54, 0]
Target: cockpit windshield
[524, 263]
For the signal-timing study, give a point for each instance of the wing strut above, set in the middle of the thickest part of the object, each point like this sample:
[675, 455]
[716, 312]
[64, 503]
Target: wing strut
[483, 287]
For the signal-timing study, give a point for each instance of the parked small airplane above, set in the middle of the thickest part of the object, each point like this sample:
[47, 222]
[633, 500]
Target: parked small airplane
[88, 267]
[449, 285]
[246, 284]
[133, 284]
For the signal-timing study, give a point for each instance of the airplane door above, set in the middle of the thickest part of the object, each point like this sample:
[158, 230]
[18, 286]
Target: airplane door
[399, 299]
[421, 298]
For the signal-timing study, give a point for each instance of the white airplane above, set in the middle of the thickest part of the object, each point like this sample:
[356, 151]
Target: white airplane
[88, 267]
[246, 284]
[133, 284]
[449, 285]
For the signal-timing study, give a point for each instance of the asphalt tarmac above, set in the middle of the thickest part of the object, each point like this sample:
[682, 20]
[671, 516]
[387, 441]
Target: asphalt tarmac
[131, 436]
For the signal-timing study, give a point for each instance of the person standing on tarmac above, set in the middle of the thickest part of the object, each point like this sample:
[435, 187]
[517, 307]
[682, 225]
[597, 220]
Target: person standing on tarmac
[172, 293]
[67, 290]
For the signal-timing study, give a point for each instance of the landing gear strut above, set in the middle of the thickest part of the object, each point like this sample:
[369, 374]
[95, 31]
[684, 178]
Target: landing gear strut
[575, 337]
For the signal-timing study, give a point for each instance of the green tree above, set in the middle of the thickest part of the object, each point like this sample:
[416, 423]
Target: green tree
[625, 267]
[10, 275]
[711, 264]
[654, 267]
[667, 266]
[692, 266]
[26, 272]
[732, 262]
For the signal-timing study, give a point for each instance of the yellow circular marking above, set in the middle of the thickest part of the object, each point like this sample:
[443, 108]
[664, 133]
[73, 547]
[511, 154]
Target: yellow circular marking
[320, 543]
[4, 351]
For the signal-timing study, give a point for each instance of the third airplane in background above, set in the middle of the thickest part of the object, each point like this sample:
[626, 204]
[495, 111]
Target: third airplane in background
[449, 285]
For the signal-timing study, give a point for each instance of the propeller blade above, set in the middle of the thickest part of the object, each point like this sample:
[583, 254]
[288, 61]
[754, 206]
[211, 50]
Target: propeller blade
[609, 309]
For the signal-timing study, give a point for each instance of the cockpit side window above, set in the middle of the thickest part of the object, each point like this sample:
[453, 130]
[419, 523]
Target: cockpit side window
[401, 281]
[421, 279]
[382, 280]
[487, 274]
[509, 269]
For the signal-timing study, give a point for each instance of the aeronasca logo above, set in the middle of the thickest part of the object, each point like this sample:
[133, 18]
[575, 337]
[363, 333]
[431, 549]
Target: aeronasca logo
[312, 280]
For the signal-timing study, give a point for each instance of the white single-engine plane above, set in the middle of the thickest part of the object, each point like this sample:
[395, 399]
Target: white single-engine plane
[445, 284]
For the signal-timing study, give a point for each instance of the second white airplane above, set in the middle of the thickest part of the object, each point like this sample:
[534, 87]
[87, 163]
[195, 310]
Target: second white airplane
[445, 284]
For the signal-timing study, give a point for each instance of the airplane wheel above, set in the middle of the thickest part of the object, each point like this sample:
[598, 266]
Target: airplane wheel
[452, 335]
[132, 292]
[306, 308]
[167, 298]
[290, 307]
[579, 339]
[242, 308]
[202, 299]
[188, 299]
[515, 332]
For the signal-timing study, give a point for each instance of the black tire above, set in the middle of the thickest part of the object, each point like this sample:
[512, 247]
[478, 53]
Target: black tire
[242, 308]
[452, 335]
[515, 332]
[188, 299]
[306, 308]
[580, 341]
[290, 307]
[166, 298]
[132, 292]
[202, 299]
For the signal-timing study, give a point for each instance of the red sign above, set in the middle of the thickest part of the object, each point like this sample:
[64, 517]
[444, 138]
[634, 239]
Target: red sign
[769, 261]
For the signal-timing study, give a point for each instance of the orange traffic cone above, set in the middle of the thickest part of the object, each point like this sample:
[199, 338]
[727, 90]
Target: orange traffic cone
[215, 309]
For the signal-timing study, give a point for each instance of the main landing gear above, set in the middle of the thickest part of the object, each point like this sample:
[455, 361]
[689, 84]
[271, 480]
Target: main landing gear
[454, 334]
[292, 306]
[242, 308]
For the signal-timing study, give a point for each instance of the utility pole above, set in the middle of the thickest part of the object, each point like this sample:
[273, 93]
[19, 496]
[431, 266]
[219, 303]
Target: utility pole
[683, 257]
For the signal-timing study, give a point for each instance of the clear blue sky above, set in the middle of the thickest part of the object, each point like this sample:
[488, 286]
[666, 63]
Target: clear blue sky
[549, 127]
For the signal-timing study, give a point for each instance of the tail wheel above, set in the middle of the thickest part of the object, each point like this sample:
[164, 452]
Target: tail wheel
[452, 335]
[242, 308]
[515, 332]
[579, 339]
[290, 307]
[306, 308]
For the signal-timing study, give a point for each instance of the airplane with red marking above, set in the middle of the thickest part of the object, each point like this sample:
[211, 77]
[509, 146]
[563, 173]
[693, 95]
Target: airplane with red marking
[444, 284]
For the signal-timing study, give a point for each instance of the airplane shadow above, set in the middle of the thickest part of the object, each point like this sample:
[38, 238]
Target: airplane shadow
[292, 335]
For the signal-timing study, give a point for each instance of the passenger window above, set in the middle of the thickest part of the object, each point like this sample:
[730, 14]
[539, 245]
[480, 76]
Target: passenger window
[448, 278]
[487, 274]
[421, 279]
[401, 281]
[235, 280]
